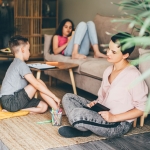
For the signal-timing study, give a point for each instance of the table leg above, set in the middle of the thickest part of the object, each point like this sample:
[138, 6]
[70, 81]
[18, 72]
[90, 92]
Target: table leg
[72, 81]
[0, 107]
[50, 81]
[38, 74]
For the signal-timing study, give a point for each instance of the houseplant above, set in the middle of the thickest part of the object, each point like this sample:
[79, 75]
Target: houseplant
[137, 14]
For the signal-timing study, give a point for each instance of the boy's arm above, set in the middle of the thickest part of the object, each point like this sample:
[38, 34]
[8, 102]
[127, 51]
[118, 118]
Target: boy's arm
[131, 114]
[39, 86]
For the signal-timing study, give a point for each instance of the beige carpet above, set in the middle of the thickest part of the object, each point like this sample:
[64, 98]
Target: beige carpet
[21, 133]
[24, 133]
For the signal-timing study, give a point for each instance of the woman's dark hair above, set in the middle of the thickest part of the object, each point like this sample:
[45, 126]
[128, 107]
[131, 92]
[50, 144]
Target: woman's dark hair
[59, 30]
[60, 27]
[119, 37]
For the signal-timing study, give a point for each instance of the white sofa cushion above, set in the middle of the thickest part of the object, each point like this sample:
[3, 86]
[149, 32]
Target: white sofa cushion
[67, 59]
[94, 67]
[47, 43]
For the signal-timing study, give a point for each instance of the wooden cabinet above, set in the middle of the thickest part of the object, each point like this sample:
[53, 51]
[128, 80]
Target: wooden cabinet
[31, 17]
[49, 13]
[49, 17]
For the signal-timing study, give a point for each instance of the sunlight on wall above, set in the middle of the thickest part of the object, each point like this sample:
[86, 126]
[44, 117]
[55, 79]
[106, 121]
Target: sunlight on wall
[85, 10]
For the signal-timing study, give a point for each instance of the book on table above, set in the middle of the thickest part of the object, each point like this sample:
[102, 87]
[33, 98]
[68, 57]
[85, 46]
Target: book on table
[40, 66]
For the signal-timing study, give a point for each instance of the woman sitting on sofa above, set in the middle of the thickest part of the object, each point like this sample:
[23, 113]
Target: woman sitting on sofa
[76, 44]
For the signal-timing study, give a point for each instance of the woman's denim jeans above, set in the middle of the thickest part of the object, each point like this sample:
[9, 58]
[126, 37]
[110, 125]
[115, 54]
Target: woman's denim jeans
[84, 119]
[85, 34]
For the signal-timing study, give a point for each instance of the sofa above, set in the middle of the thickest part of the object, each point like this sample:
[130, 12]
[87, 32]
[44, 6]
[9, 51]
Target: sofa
[88, 75]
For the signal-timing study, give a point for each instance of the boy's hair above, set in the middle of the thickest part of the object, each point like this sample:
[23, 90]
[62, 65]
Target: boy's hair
[16, 41]
[120, 37]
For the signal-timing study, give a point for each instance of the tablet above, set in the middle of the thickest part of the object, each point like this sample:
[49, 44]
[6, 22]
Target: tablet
[98, 107]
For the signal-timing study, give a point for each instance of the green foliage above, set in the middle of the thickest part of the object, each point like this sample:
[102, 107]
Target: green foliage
[136, 13]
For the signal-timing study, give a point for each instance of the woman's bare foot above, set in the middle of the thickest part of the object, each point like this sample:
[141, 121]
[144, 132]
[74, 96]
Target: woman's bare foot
[99, 54]
[78, 56]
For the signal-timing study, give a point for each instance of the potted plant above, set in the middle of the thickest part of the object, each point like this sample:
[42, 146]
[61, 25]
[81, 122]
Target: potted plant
[137, 14]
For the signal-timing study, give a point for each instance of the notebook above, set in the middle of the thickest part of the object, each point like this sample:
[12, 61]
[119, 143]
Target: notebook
[40, 66]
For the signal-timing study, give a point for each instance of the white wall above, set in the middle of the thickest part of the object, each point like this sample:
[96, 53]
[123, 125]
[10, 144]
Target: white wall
[85, 10]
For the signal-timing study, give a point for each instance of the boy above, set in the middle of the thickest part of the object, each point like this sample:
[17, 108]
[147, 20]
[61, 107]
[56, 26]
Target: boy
[19, 85]
[125, 103]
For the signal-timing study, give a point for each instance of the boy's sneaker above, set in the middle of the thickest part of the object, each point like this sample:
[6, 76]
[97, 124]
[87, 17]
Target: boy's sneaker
[70, 132]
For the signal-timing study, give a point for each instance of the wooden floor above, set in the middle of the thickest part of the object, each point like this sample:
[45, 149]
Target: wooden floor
[133, 142]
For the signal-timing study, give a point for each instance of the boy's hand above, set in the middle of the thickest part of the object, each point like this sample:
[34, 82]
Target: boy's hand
[91, 104]
[57, 100]
[106, 115]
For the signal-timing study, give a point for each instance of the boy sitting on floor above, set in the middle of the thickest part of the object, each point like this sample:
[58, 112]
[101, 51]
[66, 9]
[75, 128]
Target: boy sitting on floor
[19, 85]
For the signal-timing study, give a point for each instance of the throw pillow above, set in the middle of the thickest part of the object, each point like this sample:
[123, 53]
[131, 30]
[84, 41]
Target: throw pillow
[144, 63]
[104, 24]
[47, 43]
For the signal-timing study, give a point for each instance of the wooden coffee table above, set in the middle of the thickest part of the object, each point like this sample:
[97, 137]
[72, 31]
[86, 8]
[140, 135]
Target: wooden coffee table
[58, 66]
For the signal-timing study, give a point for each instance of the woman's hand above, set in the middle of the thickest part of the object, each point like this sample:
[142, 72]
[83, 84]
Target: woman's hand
[72, 33]
[107, 116]
[91, 104]
[70, 37]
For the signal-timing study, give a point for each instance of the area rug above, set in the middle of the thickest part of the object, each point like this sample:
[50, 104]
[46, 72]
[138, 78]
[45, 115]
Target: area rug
[21, 133]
